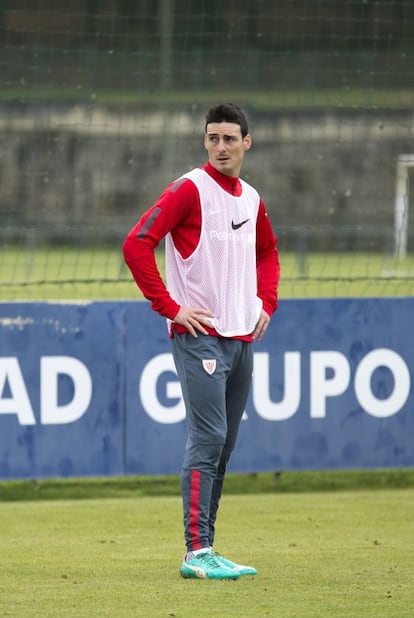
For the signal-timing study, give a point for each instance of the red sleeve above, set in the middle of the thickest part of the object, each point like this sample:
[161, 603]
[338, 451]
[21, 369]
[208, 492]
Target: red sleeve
[177, 211]
[267, 261]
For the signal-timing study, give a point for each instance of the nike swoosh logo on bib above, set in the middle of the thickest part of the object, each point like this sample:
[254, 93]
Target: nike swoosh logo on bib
[236, 226]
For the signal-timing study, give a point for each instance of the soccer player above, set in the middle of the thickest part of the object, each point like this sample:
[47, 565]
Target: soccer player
[222, 274]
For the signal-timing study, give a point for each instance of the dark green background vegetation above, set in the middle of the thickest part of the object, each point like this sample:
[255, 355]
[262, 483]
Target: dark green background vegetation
[181, 44]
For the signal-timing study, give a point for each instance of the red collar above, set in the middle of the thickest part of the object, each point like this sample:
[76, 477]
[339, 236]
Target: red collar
[228, 183]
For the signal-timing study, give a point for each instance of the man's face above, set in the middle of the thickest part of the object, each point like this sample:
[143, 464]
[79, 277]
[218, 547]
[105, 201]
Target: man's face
[226, 147]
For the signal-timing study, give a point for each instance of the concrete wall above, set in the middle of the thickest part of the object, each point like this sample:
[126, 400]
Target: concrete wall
[328, 174]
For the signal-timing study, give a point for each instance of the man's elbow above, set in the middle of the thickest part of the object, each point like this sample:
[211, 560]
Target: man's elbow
[126, 248]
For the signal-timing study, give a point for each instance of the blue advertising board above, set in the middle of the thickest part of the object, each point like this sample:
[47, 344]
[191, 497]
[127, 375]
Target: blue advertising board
[90, 389]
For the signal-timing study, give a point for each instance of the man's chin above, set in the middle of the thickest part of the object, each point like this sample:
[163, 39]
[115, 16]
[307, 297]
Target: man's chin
[224, 166]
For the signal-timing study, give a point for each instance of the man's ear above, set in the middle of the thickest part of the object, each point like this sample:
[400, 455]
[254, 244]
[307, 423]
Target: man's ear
[247, 141]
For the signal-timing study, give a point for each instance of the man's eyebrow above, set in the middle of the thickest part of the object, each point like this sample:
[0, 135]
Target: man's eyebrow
[215, 134]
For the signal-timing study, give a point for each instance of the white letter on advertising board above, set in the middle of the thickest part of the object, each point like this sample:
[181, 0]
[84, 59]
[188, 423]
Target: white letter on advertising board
[19, 402]
[382, 408]
[322, 386]
[265, 407]
[51, 412]
[148, 391]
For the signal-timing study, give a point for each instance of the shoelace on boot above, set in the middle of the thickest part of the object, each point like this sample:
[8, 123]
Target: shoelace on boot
[210, 558]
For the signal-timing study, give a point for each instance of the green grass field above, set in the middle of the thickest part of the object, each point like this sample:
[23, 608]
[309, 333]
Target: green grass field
[319, 554]
[261, 100]
[100, 274]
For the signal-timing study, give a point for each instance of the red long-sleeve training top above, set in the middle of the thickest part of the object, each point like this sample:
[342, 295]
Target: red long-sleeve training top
[178, 211]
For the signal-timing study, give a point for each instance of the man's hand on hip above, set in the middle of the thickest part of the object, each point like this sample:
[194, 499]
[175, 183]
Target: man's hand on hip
[193, 319]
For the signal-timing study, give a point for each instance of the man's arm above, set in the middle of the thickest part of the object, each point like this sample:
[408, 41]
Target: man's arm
[176, 211]
[267, 262]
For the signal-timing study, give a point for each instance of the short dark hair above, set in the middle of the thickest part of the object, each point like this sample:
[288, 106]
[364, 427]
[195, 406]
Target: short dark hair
[227, 112]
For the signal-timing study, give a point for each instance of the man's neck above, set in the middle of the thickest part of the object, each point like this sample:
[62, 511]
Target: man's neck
[231, 184]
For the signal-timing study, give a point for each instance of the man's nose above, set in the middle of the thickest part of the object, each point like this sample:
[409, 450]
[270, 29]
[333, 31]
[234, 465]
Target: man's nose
[221, 144]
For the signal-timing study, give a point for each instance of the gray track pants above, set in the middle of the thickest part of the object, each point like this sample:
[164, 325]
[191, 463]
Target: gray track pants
[215, 396]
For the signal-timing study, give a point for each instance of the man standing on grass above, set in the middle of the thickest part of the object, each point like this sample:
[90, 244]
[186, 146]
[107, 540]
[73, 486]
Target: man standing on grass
[222, 272]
